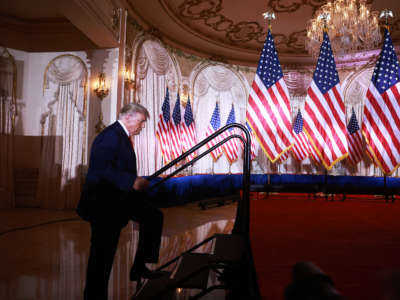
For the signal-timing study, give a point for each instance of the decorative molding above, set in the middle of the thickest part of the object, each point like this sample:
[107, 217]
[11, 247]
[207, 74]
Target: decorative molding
[288, 7]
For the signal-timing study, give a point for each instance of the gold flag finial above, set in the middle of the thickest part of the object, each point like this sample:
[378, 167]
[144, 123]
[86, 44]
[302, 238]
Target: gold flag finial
[386, 13]
[269, 16]
[325, 17]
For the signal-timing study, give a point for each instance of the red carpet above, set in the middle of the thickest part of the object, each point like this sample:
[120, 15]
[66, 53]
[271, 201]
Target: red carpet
[355, 242]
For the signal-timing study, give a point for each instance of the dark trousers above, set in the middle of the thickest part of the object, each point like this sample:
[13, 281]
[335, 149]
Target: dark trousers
[104, 242]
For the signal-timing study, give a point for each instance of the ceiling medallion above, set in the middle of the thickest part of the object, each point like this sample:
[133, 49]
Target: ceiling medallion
[350, 24]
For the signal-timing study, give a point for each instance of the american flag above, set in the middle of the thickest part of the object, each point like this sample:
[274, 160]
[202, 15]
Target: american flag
[175, 129]
[188, 131]
[324, 112]
[371, 157]
[268, 109]
[215, 124]
[283, 157]
[314, 156]
[301, 146]
[381, 121]
[231, 147]
[354, 139]
[163, 129]
[253, 142]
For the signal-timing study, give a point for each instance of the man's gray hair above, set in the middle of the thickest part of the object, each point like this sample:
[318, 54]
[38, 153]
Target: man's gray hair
[132, 108]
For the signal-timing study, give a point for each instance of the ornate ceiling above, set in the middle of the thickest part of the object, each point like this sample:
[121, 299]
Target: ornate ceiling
[234, 30]
[228, 30]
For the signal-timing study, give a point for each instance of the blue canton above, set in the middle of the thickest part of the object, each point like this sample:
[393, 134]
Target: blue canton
[231, 118]
[215, 119]
[188, 114]
[176, 114]
[165, 108]
[325, 75]
[353, 124]
[386, 72]
[248, 127]
[269, 69]
[298, 123]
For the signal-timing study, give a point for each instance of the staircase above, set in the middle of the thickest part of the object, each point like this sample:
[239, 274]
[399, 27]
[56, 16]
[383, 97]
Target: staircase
[231, 259]
[192, 270]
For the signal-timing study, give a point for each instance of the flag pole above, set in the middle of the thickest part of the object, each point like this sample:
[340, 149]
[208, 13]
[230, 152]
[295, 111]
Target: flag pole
[269, 16]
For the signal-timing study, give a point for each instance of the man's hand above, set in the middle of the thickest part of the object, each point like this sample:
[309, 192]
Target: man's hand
[140, 184]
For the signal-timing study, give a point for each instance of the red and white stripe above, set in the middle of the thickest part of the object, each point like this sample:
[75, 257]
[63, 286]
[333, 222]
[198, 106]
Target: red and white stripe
[218, 151]
[301, 146]
[324, 121]
[163, 137]
[355, 142]
[231, 147]
[175, 142]
[269, 115]
[253, 150]
[283, 157]
[314, 156]
[381, 126]
[188, 136]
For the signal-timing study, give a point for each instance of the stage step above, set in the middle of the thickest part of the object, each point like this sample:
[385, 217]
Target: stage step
[156, 289]
[193, 271]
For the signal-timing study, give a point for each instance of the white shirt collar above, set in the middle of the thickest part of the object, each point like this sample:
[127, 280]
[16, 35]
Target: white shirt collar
[124, 127]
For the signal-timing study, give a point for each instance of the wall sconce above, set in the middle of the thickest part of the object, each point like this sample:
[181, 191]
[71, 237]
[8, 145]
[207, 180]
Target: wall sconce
[184, 94]
[101, 91]
[129, 79]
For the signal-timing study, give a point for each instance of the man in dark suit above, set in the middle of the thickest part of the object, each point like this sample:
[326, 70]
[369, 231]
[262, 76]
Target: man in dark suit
[112, 195]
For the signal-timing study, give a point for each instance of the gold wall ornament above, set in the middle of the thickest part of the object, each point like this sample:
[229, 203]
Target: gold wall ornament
[351, 27]
[129, 79]
[102, 91]
[116, 22]
[184, 94]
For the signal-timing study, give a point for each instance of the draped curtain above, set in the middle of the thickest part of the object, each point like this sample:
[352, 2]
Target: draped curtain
[212, 84]
[155, 71]
[7, 117]
[63, 133]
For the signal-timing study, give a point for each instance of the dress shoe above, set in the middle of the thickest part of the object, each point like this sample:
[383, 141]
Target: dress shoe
[138, 273]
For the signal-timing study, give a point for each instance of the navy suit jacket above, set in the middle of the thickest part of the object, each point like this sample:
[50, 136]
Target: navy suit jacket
[111, 174]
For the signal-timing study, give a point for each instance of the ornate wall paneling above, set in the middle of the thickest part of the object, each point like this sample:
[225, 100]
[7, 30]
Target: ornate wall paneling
[155, 69]
[63, 151]
[212, 83]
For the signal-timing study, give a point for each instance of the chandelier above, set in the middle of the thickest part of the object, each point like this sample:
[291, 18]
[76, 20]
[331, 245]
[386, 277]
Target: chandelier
[350, 24]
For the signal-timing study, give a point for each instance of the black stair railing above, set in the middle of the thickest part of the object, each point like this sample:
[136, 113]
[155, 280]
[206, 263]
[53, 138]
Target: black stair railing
[243, 208]
[242, 220]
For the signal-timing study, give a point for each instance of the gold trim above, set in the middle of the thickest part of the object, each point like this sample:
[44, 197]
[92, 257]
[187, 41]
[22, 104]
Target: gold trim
[320, 156]
[261, 145]
[375, 159]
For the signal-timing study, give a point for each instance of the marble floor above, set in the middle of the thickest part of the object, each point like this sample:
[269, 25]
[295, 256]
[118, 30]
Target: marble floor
[43, 253]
